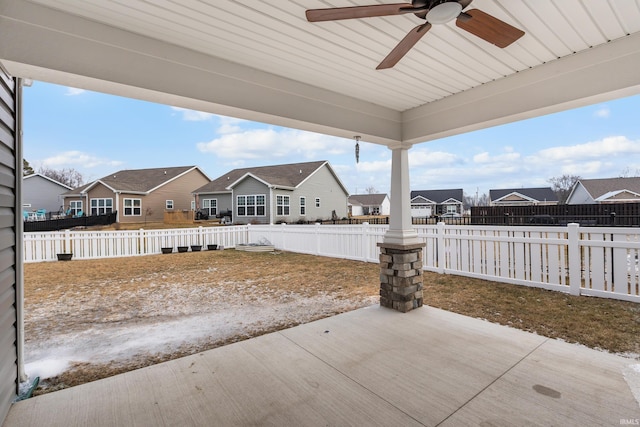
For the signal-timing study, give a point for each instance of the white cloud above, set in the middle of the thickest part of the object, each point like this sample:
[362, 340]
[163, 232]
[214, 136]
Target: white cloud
[272, 143]
[506, 158]
[603, 112]
[73, 91]
[229, 125]
[77, 159]
[192, 115]
[604, 148]
[420, 158]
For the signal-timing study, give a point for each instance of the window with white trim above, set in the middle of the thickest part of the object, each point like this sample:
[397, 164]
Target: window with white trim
[282, 205]
[317, 202]
[132, 207]
[75, 207]
[210, 206]
[168, 204]
[303, 205]
[101, 206]
[251, 205]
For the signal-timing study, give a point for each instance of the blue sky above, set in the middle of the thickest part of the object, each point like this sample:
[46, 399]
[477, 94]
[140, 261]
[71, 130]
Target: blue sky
[98, 134]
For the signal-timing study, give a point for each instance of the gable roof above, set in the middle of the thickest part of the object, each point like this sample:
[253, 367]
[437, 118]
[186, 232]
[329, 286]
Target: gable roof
[599, 187]
[439, 196]
[537, 193]
[33, 175]
[367, 199]
[278, 176]
[140, 181]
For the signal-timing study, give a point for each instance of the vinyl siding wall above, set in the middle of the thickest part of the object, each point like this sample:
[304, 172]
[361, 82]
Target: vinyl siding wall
[41, 193]
[321, 184]
[8, 242]
[251, 186]
[179, 190]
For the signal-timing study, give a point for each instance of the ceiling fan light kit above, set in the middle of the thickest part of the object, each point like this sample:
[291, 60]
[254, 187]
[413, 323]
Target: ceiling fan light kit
[474, 21]
[444, 12]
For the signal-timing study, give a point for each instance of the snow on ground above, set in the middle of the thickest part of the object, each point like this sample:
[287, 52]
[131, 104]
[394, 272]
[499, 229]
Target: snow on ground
[160, 333]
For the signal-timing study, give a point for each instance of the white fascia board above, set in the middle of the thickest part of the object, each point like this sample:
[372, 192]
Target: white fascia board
[94, 183]
[594, 75]
[420, 199]
[61, 48]
[451, 200]
[248, 175]
[47, 178]
[515, 193]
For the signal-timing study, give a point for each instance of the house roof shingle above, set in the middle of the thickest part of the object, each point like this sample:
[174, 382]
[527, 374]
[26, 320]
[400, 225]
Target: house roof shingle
[136, 180]
[367, 199]
[439, 196]
[599, 187]
[538, 193]
[288, 176]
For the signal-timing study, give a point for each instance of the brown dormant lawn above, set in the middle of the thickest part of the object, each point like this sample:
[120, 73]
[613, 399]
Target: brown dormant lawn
[87, 320]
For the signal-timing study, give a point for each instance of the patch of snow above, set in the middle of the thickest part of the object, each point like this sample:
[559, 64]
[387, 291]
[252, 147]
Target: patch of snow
[170, 324]
[631, 374]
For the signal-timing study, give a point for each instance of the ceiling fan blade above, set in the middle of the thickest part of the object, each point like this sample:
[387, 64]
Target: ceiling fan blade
[404, 46]
[488, 28]
[336, 13]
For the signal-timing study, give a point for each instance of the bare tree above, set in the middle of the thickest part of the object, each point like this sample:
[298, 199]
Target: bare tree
[627, 173]
[26, 168]
[476, 200]
[562, 185]
[371, 190]
[66, 176]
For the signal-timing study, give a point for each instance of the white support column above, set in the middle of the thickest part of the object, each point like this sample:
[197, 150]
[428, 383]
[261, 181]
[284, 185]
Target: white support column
[401, 231]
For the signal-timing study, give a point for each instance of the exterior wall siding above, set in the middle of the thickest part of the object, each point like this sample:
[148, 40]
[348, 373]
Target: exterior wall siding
[321, 184]
[179, 190]
[580, 196]
[41, 193]
[224, 201]
[9, 266]
[251, 186]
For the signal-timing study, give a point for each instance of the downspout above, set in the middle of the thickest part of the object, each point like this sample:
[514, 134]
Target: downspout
[19, 227]
[118, 206]
[271, 205]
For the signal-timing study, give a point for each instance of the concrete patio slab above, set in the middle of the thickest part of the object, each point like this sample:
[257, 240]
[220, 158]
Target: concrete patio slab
[372, 366]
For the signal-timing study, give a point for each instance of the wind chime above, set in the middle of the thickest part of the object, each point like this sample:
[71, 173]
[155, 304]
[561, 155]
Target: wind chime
[357, 138]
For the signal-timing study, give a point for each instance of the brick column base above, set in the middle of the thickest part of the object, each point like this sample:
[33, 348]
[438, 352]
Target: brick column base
[401, 276]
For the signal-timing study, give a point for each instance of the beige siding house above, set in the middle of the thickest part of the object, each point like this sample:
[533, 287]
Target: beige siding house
[281, 193]
[523, 196]
[138, 195]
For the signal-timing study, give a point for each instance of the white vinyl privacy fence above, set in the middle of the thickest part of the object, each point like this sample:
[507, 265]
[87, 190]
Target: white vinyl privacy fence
[579, 260]
[44, 246]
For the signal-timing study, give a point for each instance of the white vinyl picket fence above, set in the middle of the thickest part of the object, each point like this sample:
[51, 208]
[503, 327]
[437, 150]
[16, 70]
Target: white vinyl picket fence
[592, 261]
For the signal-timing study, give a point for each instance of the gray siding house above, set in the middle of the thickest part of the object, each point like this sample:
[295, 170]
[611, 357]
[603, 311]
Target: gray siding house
[426, 203]
[281, 193]
[605, 190]
[41, 192]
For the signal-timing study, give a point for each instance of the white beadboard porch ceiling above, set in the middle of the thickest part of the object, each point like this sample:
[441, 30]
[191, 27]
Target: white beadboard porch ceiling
[273, 37]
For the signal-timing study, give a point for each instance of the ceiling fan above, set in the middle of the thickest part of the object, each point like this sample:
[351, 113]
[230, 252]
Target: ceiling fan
[475, 21]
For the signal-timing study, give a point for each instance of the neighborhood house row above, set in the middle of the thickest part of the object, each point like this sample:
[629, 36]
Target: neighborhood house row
[307, 191]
